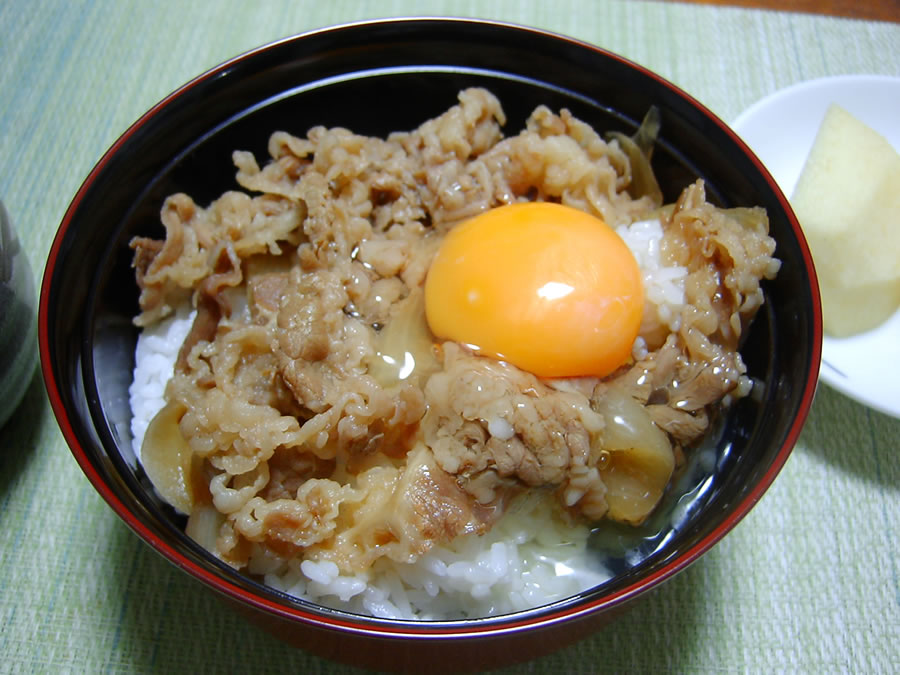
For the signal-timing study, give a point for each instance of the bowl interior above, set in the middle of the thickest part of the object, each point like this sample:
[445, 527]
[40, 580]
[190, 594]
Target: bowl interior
[376, 78]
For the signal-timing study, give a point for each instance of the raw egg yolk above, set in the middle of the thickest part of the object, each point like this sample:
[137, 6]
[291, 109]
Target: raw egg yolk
[548, 288]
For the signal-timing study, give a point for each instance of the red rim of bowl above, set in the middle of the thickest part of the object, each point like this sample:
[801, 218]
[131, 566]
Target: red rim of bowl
[436, 630]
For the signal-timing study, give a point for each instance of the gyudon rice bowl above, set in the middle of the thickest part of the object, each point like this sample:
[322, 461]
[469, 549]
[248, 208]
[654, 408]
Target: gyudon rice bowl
[292, 398]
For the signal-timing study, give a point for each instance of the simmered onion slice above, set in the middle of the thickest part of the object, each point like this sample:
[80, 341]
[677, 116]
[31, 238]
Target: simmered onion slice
[167, 459]
[640, 461]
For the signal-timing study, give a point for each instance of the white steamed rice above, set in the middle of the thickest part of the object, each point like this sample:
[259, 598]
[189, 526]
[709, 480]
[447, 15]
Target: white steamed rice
[154, 364]
[663, 285]
[528, 559]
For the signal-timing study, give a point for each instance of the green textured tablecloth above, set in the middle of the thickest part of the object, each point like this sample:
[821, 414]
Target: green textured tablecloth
[807, 582]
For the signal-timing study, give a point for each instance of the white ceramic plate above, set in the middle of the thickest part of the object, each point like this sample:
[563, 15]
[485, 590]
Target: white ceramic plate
[781, 129]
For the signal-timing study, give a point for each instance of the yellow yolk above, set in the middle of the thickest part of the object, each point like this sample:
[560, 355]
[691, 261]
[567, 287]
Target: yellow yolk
[548, 288]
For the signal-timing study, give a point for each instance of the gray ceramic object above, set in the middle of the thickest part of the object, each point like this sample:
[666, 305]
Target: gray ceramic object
[18, 326]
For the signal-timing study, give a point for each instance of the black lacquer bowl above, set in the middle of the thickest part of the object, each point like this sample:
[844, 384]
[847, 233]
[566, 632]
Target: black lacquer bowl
[374, 78]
